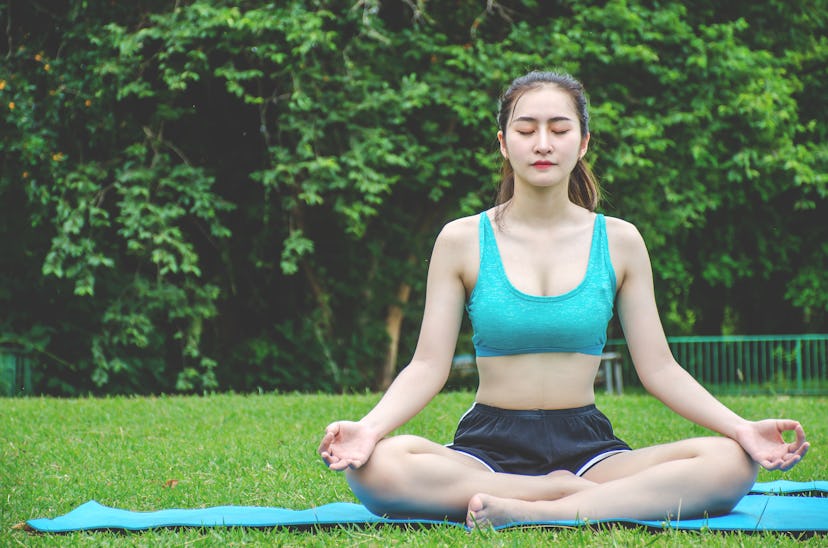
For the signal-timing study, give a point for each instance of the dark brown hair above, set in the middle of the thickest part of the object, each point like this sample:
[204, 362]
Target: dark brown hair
[583, 185]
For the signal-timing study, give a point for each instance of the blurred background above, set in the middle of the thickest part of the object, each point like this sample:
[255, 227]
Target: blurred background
[213, 196]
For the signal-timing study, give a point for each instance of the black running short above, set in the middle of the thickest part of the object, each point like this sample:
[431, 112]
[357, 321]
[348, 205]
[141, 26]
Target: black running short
[536, 442]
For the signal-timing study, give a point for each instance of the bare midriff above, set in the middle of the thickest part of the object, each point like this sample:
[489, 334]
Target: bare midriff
[537, 381]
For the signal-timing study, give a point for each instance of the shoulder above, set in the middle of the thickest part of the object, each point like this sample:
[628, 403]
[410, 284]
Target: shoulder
[456, 249]
[628, 251]
[623, 235]
[459, 233]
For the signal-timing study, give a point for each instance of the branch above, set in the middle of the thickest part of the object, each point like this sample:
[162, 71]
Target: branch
[159, 138]
[491, 7]
[418, 11]
[370, 8]
[8, 31]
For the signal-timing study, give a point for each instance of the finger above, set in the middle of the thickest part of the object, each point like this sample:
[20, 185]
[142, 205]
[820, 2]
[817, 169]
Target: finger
[337, 464]
[341, 465]
[799, 442]
[789, 463]
[803, 449]
[325, 444]
[775, 462]
[800, 434]
[784, 425]
[794, 458]
[767, 464]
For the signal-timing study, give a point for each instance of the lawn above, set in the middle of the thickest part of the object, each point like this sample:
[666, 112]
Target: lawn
[154, 453]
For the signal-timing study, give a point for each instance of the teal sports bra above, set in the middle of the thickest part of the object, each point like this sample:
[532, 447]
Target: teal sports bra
[507, 321]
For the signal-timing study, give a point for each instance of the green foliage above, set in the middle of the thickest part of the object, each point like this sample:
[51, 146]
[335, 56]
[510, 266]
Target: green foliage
[213, 195]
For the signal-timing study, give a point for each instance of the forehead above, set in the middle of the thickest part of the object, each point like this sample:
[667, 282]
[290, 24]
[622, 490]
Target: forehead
[543, 103]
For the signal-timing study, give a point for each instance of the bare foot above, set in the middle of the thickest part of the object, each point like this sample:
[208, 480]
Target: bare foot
[490, 511]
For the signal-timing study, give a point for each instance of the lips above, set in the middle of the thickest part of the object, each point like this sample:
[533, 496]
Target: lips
[543, 163]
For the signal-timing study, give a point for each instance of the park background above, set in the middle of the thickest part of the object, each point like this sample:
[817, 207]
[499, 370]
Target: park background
[216, 196]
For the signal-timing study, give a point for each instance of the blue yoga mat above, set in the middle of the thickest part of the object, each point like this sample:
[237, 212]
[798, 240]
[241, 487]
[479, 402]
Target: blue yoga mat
[768, 508]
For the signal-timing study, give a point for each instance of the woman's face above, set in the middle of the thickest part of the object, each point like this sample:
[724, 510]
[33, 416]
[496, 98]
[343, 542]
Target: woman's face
[542, 140]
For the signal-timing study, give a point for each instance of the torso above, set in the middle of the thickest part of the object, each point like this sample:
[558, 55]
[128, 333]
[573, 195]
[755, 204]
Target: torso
[543, 263]
[537, 381]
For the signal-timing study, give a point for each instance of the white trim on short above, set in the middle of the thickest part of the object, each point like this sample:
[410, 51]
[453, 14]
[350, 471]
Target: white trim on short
[596, 459]
[469, 410]
[478, 459]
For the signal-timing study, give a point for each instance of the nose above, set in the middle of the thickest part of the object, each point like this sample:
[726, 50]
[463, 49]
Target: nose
[543, 144]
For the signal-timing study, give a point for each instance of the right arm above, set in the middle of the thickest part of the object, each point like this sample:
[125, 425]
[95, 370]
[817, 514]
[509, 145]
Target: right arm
[663, 377]
[348, 444]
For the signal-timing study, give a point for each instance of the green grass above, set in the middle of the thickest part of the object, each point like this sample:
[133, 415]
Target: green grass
[261, 450]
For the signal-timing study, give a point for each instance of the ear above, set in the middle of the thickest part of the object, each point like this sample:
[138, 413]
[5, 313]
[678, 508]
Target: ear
[584, 146]
[502, 139]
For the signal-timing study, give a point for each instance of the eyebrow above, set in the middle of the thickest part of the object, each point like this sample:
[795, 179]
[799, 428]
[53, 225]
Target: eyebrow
[532, 119]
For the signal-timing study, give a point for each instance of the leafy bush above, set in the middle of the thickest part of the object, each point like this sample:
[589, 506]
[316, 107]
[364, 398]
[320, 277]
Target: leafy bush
[207, 196]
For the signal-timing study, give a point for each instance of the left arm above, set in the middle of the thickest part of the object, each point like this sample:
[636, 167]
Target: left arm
[663, 377]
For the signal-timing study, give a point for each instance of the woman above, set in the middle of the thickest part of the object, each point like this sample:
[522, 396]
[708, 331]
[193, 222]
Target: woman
[539, 274]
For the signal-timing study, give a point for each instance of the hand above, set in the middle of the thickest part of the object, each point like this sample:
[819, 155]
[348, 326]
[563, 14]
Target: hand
[347, 445]
[763, 441]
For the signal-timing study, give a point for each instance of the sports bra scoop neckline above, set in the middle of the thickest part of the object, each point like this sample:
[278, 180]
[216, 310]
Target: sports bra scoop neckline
[495, 248]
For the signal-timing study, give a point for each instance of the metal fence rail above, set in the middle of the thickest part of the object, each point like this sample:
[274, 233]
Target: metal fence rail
[746, 364]
[15, 374]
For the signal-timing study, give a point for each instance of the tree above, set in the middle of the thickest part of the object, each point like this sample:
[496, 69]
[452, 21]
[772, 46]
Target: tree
[225, 196]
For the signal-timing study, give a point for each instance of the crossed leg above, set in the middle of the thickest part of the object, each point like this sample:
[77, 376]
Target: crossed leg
[685, 479]
[409, 476]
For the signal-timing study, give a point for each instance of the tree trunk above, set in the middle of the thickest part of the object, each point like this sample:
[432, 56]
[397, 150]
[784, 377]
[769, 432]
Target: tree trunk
[393, 326]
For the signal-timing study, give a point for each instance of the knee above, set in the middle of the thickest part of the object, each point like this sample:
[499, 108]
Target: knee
[384, 458]
[735, 472]
[375, 482]
[735, 461]
[388, 455]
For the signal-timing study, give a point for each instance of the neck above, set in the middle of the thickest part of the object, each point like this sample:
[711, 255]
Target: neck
[541, 206]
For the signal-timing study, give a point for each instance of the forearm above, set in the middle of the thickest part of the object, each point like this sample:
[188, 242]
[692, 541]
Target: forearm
[677, 389]
[411, 391]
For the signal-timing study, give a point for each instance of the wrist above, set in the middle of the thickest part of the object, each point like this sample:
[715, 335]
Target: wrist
[740, 429]
[372, 429]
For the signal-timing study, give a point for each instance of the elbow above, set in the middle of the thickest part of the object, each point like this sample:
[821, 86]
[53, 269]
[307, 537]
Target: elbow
[432, 372]
[660, 375]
